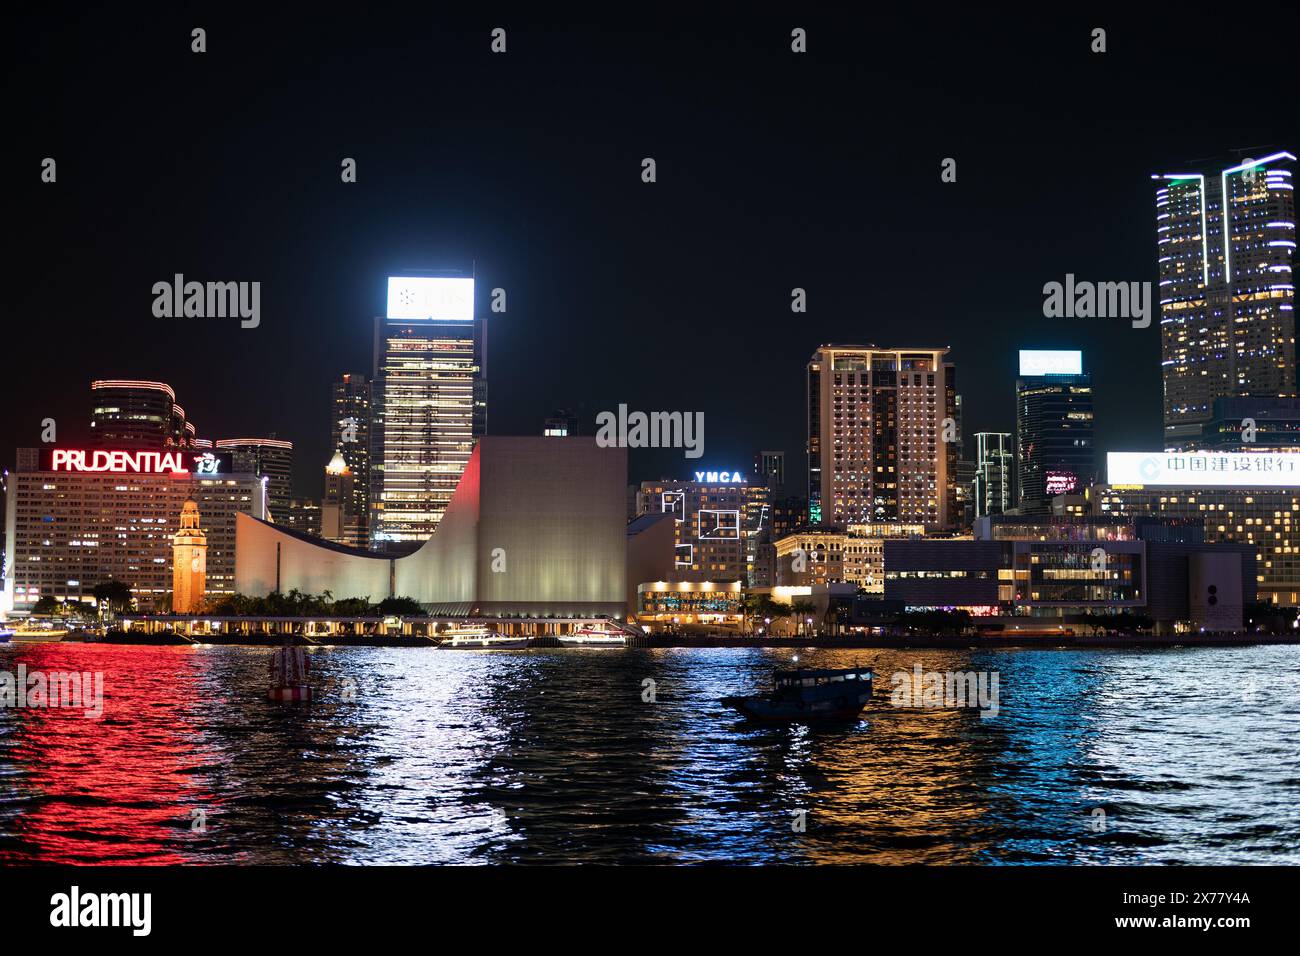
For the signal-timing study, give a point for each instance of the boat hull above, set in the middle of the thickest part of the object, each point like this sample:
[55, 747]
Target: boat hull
[486, 645]
[765, 710]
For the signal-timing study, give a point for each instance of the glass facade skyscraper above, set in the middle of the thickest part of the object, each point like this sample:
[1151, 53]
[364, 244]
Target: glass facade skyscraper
[351, 413]
[1226, 241]
[429, 401]
[1055, 454]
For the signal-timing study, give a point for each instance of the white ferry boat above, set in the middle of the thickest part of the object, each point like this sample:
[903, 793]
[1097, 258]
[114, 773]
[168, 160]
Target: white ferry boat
[478, 637]
[595, 635]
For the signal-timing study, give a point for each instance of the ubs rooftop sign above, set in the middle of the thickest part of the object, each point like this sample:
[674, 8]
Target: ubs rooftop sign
[136, 462]
[1204, 469]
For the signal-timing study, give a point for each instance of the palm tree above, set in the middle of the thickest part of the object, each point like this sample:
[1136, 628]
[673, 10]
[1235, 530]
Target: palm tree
[113, 595]
[803, 609]
[752, 606]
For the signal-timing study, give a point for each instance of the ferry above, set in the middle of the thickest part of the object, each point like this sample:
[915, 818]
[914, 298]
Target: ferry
[478, 637]
[807, 695]
[594, 635]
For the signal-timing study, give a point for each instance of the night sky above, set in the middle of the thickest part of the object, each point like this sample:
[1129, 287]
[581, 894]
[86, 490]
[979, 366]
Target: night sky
[775, 170]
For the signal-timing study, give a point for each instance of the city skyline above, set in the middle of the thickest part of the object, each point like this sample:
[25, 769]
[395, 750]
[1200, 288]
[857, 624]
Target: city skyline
[608, 316]
[440, 437]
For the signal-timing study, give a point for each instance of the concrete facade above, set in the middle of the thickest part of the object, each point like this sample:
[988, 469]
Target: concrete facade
[536, 526]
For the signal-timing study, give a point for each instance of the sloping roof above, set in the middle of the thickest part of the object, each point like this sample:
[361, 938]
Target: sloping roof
[642, 522]
[321, 542]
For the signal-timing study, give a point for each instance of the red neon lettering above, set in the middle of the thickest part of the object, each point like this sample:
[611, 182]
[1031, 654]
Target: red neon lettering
[118, 461]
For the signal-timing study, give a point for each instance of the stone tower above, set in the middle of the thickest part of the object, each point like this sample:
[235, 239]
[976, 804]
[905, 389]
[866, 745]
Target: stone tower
[189, 561]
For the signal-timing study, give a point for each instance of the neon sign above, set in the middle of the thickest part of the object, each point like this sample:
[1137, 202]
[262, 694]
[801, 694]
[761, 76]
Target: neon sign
[132, 462]
[1062, 483]
[721, 477]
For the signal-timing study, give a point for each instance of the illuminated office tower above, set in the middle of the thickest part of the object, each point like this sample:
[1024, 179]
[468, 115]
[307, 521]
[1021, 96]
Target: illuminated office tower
[875, 436]
[126, 413]
[995, 468]
[1055, 454]
[270, 459]
[1226, 241]
[429, 403]
[352, 411]
[339, 522]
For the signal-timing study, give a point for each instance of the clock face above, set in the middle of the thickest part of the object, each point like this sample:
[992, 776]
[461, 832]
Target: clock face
[194, 563]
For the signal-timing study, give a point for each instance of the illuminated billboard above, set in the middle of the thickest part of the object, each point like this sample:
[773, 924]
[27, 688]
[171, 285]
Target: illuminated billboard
[430, 298]
[1049, 362]
[1204, 469]
[1062, 483]
[176, 461]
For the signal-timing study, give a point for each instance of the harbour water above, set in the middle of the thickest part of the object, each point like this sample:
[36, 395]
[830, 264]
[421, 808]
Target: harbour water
[1179, 756]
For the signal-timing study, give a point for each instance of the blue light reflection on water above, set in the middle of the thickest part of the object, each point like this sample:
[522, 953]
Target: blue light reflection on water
[424, 756]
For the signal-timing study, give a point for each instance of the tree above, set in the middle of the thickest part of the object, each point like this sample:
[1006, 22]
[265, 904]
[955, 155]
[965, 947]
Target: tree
[113, 595]
[400, 606]
[802, 609]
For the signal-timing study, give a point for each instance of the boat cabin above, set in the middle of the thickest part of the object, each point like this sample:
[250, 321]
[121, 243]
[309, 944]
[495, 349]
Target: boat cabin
[815, 678]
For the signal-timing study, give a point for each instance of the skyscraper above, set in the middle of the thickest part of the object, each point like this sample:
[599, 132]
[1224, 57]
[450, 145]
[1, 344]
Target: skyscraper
[995, 466]
[338, 520]
[127, 413]
[876, 425]
[270, 459]
[429, 403]
[769, 469]
[1054, 442]
[351, 412]
[1225, 240]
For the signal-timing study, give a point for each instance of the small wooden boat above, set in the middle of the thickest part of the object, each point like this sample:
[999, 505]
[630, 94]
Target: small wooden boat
[808, 695]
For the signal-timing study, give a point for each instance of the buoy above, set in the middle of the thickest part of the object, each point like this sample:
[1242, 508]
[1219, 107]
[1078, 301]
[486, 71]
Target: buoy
[289, 693]
[289, 668]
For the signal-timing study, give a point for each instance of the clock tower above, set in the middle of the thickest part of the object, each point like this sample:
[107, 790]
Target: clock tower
[189, 561]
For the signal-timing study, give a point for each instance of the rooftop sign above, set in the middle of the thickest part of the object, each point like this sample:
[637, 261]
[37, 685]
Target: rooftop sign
[1204, 469]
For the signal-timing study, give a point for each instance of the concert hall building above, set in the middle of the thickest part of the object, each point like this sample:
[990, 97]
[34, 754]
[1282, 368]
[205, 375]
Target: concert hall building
[536, 527]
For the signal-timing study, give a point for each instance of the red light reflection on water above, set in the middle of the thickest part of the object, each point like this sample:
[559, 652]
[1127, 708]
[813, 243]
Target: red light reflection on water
[117, 789]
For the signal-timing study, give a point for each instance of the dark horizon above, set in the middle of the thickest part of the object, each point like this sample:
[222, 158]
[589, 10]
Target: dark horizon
[775, 170]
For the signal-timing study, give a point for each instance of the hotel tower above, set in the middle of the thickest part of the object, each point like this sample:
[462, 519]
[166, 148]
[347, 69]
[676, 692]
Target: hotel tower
[876, 448]
[429, 404]
[1226, 240]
